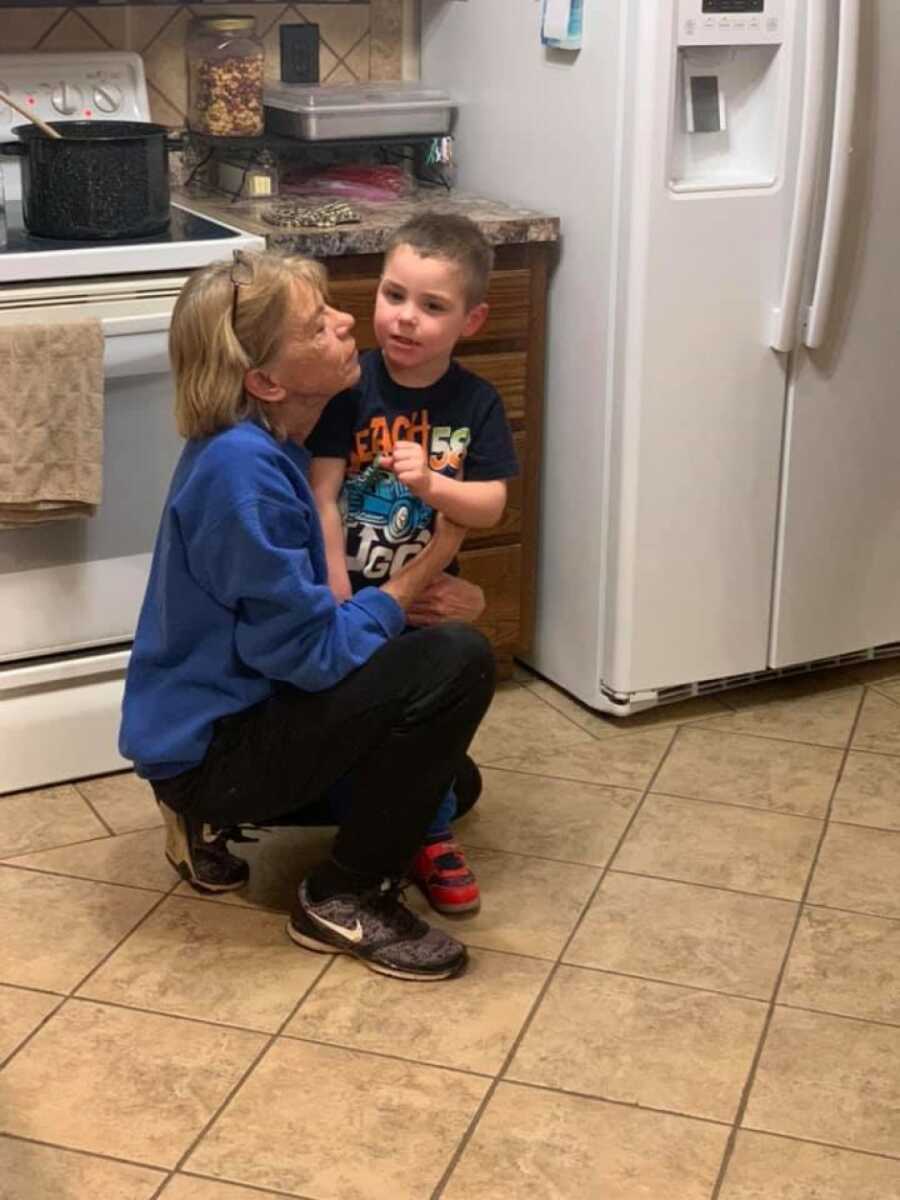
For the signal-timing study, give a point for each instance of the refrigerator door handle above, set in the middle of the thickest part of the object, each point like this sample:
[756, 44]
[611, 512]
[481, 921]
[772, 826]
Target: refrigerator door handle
[784, 316]
[819, 311]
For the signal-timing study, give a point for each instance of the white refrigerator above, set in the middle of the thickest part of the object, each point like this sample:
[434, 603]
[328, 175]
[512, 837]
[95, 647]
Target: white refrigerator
[720, 493]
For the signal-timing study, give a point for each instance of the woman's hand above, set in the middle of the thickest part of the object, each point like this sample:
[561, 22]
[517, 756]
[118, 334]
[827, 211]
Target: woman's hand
[447, 598]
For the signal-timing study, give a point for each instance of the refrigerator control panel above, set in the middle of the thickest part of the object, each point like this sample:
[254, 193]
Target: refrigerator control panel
[730, 22]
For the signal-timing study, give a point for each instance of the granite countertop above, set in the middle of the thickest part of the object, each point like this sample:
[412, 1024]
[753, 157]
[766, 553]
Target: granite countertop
[500, 223]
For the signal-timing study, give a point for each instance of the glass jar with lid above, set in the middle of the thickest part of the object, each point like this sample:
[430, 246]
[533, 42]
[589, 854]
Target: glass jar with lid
[225, 71]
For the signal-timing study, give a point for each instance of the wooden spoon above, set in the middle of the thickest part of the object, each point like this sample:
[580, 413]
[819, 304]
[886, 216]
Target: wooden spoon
[42, 125]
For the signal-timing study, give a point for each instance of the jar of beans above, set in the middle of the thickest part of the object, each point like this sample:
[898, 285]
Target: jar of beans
[225, 70]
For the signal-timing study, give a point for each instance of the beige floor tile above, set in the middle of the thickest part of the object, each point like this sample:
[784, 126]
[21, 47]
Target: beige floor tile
[20, 1013]
[528, 905]
[878, 727]
[530, 1143]
[650, 1044]
[869, 791]
[137, 859]
[843, 963]
[679, 933]
[39, 820]
[772, 1168]
[829, 1079]
[628, 761]
[680, 713]
[781, 776]
[278, 861]
[696, 842]
[54, 930]
[551, 818]
[395, 1126]
[127, 1084]
[470, 1025]
[858, 868]
[186, 1187]
[519, 723]
[123, 801]
[822, 717]
[890, 686]
[209, 961]
[31, 1172]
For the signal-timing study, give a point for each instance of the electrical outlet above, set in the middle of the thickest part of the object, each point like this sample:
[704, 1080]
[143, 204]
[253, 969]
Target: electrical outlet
[299, 53]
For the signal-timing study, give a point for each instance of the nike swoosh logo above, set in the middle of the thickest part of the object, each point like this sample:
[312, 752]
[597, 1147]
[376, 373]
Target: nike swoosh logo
[351, 935]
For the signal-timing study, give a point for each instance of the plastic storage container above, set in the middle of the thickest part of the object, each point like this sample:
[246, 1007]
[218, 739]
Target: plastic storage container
[225, 70]
[356, 110]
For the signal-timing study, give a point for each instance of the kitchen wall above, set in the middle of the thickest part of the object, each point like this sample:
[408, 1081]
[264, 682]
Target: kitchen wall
[358, 41]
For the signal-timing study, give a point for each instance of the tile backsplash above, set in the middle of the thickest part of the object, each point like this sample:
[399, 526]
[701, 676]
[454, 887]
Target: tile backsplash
[358, 41]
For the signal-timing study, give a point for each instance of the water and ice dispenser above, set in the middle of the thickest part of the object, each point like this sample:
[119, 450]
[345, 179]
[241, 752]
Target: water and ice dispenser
[725, 128]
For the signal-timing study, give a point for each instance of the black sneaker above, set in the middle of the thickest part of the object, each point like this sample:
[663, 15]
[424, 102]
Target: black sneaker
[200, 854]
[379, 930]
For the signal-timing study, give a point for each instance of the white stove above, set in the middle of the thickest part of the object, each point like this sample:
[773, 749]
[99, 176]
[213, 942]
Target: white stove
[107, 85]
[70, 591]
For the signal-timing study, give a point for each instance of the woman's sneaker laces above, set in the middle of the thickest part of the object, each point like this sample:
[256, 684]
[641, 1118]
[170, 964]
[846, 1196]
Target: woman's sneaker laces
[377, 928]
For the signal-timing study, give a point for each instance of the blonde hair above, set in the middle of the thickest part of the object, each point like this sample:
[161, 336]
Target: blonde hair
[210, 357]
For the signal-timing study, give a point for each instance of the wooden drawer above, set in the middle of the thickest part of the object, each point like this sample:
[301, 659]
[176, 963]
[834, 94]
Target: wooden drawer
[508, 297]
[510, 527]
[499, 573]
[507, 372]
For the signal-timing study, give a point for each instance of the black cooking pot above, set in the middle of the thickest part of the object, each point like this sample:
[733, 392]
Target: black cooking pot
[99, 180]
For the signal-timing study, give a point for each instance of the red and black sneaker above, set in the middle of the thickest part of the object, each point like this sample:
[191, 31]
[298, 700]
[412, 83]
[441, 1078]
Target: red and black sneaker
[441, 871]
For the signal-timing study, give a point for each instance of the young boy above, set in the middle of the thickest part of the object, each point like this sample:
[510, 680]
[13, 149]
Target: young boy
[417, 436]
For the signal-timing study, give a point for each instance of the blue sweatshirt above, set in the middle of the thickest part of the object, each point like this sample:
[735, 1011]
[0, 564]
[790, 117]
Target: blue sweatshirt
[237, 600]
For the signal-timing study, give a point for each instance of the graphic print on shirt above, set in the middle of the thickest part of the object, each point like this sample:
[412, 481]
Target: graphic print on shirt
[386, 524]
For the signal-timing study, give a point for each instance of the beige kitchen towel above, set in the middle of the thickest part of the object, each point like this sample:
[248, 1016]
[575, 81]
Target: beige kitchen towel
[51, 422]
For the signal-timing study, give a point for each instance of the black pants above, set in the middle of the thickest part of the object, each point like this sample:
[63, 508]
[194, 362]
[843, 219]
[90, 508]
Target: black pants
[398, 726]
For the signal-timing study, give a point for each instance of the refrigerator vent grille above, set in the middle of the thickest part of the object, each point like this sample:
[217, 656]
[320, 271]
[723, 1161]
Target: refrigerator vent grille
[706, 687]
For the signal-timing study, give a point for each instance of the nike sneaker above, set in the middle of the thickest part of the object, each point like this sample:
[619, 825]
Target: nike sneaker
[200, 854]
[379, 930]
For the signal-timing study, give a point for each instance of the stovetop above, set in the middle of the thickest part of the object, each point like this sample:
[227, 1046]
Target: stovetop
[190, 241]
[184, 226]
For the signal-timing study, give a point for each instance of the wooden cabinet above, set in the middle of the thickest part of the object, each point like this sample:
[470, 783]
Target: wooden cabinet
[508, 351]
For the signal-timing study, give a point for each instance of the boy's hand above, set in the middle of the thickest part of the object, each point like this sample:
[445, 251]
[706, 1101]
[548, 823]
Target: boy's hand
[409, 462]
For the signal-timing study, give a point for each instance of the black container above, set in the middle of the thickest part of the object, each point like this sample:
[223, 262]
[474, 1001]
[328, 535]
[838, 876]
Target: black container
[100, 180]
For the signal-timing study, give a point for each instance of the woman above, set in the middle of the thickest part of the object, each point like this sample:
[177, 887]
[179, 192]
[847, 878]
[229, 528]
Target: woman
[250, 690]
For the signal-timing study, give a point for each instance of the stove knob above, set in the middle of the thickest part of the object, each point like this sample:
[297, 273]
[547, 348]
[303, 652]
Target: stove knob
[66, 99]
[107, 97]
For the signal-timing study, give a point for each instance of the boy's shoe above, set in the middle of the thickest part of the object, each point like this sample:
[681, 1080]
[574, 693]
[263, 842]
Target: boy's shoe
[441, 871]
[379, 930]
[200, 854]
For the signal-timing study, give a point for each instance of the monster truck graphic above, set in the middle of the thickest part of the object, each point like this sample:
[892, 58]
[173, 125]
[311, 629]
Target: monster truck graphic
[377, 497]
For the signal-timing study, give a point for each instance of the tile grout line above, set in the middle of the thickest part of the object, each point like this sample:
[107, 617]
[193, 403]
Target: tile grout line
[266, 1191]
[131, 887]
[772, 812]
[128, 1162]
[773, 1003]
[539, 999]
[70, 994]
[106, 825]
[251, 1067]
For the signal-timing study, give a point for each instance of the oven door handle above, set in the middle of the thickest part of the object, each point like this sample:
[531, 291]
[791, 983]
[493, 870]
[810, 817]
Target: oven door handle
[137, 344]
